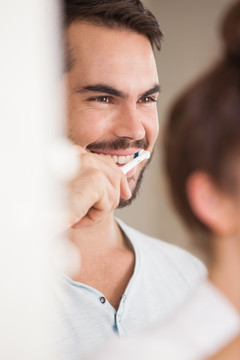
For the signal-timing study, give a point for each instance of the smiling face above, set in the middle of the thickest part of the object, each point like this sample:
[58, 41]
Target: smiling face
[112, 88]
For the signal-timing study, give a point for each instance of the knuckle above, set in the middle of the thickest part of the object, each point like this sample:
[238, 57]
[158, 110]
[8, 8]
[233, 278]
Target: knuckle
[97, 176]
[87, 161]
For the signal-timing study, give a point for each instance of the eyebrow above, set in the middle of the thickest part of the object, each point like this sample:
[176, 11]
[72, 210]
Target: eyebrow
[101, 88]
[155, 89]
[106, 89]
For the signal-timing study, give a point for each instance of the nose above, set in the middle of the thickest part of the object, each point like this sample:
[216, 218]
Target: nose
[128, 123]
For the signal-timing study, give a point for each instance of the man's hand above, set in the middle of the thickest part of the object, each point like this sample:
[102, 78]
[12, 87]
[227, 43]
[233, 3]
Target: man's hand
[96, 189]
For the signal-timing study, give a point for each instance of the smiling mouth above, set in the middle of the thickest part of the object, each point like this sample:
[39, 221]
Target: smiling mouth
[122, 160]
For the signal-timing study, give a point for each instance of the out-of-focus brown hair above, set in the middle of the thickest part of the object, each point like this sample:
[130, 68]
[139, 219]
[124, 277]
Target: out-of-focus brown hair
[203, 128]
[126, 14]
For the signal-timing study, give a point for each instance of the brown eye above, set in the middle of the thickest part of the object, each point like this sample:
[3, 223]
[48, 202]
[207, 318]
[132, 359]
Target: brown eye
[101, 99]
[147, 99]
[104, 99]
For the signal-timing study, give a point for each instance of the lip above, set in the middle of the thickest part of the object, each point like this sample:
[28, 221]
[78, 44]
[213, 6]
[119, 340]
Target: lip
[116, 152]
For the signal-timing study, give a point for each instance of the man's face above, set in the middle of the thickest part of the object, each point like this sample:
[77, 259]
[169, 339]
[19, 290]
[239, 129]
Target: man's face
[112, 88]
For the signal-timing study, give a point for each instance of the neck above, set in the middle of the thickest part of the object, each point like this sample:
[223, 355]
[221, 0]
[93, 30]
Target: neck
[99, 237]
[224, 267]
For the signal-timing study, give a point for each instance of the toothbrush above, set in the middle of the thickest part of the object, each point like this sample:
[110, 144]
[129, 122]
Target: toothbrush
[142, 155]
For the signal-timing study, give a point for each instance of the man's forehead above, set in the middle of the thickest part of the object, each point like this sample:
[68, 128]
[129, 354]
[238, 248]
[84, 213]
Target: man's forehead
[85, 32]
[95, 55]
[79, 26]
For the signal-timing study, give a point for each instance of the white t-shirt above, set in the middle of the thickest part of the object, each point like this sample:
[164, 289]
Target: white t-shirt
[203, 325]
[164, 276]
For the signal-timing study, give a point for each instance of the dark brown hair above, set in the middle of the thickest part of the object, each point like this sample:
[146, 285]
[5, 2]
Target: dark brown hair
[203, 129]
[126, 14]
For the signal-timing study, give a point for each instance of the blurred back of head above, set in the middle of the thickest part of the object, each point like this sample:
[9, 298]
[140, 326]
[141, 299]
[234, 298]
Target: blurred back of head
[203, 129]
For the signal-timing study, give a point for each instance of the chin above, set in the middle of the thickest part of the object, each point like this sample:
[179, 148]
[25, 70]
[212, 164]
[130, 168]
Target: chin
[135, 191]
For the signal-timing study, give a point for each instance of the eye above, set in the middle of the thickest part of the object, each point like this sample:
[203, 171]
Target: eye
[147, 99]
[101, 99]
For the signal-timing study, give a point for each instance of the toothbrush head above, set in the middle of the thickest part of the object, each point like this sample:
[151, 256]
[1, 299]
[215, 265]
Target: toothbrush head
[145, 152]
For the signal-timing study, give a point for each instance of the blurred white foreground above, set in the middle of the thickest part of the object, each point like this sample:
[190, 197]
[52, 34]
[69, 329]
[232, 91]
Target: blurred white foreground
[31, 120]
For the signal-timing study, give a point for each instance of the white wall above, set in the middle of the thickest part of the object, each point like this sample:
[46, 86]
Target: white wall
[191, 43]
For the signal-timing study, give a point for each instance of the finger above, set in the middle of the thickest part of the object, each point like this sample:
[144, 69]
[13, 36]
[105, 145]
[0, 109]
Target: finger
[97, 189]
[97, 212]
[114, 175]
[79, 149]
[125, 192]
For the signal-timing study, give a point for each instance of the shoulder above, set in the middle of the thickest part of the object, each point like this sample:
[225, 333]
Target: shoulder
[157, 250]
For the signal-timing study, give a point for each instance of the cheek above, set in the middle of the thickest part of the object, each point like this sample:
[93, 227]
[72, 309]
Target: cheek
[152, 130]
[85, 127]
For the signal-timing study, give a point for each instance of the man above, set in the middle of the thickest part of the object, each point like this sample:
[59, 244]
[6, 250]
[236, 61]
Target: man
[127, 280]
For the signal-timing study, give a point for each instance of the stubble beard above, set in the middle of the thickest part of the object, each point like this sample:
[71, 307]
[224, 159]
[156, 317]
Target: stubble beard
[123, 203]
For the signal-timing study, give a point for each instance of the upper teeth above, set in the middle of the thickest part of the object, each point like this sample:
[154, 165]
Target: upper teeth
[122, 159]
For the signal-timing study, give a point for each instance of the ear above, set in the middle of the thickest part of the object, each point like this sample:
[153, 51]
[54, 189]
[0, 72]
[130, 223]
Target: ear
[215, 208]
